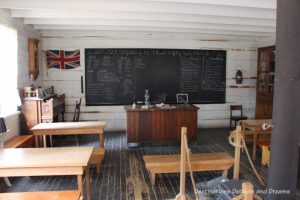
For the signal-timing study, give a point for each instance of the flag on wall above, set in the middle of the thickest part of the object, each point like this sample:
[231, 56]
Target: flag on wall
[61, 59]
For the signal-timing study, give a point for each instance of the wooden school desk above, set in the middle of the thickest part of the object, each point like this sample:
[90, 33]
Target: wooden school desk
[160, 123]
[69, 128]
[255, 125]
[47, 162]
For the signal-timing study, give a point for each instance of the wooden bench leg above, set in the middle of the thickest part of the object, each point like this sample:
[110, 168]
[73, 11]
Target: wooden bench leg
[265, 155]
[88, 183]
[80, 184]
[51, 143]
[101, 138]
[36, 139]
[98, 168]
[225, 173]
[45, 140]
[152, 178]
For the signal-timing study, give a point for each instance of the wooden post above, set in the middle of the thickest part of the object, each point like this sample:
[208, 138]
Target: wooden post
[182, 195]
[282, 174]
[237, 153]
[247, 190]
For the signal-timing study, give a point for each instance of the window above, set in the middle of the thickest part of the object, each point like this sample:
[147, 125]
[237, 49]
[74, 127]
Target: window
[9, 99]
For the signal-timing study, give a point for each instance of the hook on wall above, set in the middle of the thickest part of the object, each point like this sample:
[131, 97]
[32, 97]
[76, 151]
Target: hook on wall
[239, 77]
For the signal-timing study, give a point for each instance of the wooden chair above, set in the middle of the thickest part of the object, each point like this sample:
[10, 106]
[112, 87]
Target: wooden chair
[236, 117]
[77, 115]
[77, 111]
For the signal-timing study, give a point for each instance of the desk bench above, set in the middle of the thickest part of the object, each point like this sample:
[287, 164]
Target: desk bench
[20, 141]
[53, 195]
[199, 161]
[96, 157]
[265, 157]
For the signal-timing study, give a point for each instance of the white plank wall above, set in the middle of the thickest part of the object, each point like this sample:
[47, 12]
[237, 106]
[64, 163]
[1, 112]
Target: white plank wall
[24, 32]
[241, 54]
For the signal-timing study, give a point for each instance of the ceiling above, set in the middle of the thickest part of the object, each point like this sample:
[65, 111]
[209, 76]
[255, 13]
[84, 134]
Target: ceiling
[253, 18]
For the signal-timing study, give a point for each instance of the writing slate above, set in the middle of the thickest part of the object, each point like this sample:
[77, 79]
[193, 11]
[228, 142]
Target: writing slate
[121, 76]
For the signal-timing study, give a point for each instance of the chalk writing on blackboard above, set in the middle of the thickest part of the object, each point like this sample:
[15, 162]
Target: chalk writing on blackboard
[120, 76]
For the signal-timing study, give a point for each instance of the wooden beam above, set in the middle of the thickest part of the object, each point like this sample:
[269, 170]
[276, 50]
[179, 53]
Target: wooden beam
[154, 29]
[104, 15]
[142, 6]
[266, 4]
[270, 4]
[139, 23]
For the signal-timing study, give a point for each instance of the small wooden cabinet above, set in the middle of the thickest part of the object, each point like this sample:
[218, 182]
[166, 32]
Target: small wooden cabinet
[265, 82]
[42, 110]
[33, 57]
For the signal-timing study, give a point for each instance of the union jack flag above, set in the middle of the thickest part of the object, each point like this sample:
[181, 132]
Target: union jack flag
[61, 59]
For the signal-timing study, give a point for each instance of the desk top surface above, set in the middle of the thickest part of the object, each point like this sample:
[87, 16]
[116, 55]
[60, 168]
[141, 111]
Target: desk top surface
[45, 157]
[70, 125]
[256, 122]
[163, 108]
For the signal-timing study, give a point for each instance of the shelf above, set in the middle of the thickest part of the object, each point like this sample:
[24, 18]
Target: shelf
[41, 99]
[265, 82]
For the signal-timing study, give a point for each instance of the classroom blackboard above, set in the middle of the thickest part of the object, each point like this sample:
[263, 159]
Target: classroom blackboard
[121, 76]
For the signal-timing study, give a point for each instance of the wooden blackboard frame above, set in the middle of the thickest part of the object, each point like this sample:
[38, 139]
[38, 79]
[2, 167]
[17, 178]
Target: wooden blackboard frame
[182, 54]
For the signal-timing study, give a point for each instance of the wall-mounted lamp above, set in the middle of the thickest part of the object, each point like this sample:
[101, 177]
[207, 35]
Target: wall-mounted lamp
[239, 77]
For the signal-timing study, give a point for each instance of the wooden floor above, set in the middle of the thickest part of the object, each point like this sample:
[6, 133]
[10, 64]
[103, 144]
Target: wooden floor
[123, 174]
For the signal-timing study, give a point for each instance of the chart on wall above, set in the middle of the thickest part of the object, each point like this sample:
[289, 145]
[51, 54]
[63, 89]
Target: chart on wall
[121, 76]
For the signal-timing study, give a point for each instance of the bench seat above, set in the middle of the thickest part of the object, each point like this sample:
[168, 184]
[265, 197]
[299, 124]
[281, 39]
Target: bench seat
[45, 195]
[96, 157]
[20, 141]
[266, 143]
[199, 162]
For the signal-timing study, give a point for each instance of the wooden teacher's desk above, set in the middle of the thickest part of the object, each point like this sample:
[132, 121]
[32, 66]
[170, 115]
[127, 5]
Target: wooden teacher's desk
[47, 162]
[160, 124]
[70, 128]
[255, 125]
